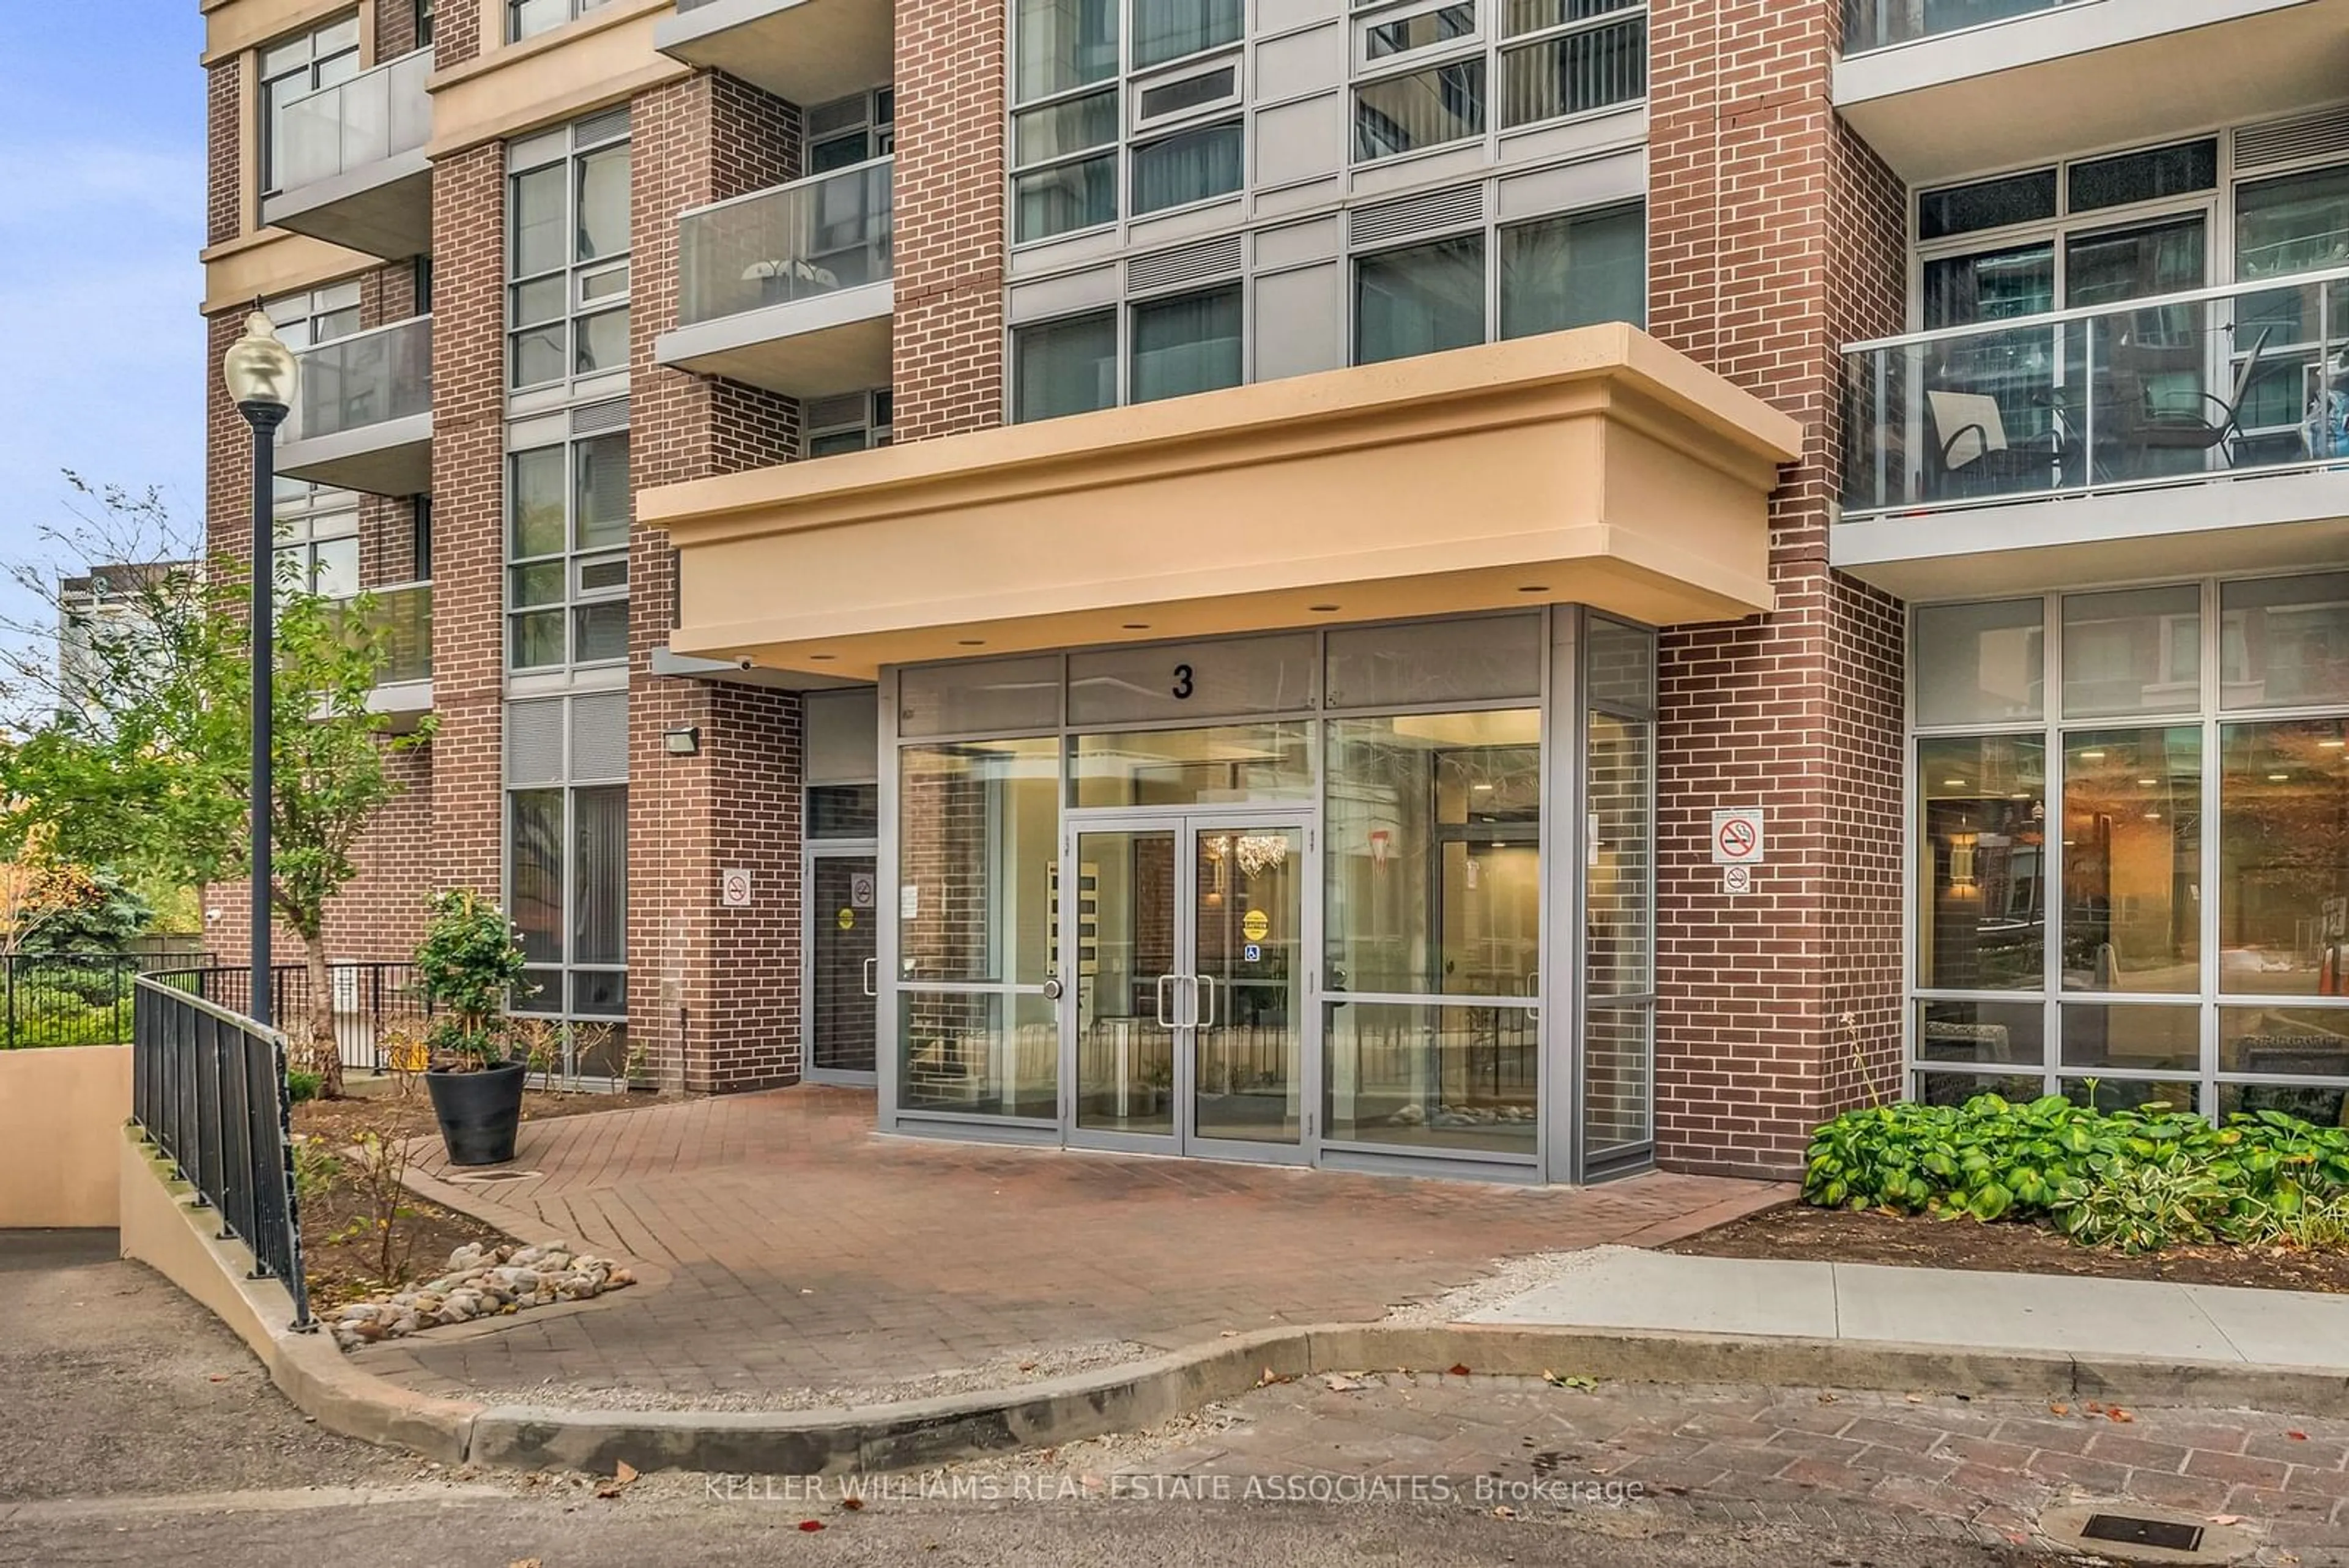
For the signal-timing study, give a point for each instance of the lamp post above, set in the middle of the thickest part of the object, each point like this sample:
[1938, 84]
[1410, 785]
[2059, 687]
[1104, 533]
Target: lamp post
[260, 371]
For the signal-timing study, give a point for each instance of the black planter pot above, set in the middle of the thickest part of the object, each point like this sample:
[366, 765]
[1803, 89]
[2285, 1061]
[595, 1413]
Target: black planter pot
[478, 1112]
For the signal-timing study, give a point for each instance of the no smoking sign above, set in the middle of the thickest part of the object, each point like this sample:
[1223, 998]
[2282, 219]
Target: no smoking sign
[1737, 835]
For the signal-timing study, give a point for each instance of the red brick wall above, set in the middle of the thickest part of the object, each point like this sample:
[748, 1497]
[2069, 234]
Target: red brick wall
[223, 147]
[949, 177]
[1774, 237]
[395, 29]
[714, 995]
[456, 33]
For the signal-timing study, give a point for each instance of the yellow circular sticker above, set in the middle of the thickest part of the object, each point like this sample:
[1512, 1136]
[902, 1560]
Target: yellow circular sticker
[1255, 925]
[847, 919]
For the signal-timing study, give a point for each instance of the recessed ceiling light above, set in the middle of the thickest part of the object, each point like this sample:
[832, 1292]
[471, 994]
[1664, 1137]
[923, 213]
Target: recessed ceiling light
[1535, 588]
[1323, 609]
[970, 642]
[821, 657]
[1137, 626]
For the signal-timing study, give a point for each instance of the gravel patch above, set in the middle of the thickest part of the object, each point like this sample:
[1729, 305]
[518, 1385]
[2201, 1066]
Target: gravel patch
[1510, 1278]
[1015, 1370]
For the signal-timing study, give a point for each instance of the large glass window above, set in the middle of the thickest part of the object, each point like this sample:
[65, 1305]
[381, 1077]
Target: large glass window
[1421, 299]
[1619, 935]
[2195, 865]
[1187, 166]
[526, 17]
[567, 512]
[978, 833]
[327, 55]
[566, 891]
[1552, 59]
[1167, 30]
[567, 255]
[1064, 368]
[1574, 270]
[1190, 343]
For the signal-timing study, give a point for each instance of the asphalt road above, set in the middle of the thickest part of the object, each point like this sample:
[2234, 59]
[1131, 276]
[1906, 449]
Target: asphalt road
[133, 1428]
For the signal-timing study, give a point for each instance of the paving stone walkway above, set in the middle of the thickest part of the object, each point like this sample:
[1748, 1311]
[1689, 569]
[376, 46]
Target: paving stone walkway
[787, 1247]
[1983, 1470]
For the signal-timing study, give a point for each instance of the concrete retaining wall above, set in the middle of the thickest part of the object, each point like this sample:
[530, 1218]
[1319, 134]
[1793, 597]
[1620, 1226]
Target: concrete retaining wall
[61, 1116]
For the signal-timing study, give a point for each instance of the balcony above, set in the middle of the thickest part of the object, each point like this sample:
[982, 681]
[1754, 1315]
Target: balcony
[806, 51]
[790, 289]
[363, 413]
[352, 170]
[2201, 428]
[402, 615]
[1945, 89]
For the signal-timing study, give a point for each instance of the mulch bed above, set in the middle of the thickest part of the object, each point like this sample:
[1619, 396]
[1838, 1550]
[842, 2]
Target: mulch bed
[339, 1255]
[1840, 1236]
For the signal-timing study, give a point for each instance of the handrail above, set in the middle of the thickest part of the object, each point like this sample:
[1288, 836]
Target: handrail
[381, 67]
[2111, 308]
[347, 339]
[787, 185]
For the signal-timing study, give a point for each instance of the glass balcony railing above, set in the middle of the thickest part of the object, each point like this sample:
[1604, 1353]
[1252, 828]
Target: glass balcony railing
[402, 616]
[2252, 377]
[795, 242]
[364, 120]
[369, 378]
[1876, 24]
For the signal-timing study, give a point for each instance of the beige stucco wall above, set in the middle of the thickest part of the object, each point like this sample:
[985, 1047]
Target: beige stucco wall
[61, 1116]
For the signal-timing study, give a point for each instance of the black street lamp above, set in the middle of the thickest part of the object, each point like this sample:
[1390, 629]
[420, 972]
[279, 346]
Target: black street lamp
[261, 372]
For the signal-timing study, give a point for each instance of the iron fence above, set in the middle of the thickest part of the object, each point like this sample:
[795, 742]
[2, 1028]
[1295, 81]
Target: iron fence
[208, 1088]
[369, 999]
[71, 999]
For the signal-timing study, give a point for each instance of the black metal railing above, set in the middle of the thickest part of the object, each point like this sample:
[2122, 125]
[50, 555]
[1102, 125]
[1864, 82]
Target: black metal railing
[370, 999]
[208, 1088]
[50, 1000]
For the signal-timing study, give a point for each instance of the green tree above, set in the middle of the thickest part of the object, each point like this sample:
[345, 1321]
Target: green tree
[134, 752]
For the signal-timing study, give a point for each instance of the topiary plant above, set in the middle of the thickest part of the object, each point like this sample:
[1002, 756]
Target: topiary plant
[468, 963]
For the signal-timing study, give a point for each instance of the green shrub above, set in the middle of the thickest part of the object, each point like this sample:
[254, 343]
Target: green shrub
[2134, 1179]
[302, 1085]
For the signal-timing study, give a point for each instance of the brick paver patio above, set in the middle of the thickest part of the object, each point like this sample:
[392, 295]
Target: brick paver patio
[791, 1248]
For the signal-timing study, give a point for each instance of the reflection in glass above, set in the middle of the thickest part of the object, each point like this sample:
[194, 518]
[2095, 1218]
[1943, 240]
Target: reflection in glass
[1989, 1032]
[1979, 663]
[980, 695]
[955, 1054]
[977, 830]
[1247, 958]
[1957, 1088]
[2289, 1042]
[844, 811]
[2135, 652]
[843, 938]
[1187, 767]
[1432, 854]
[1619, 955]
[2132, 1093]
[2133, 1039]
[2283, 858]
[1433, 1076]
[1617, 1094]
[1129, 995]
[1467, 660]
[2133, 859]
[2284, 641]
[1981, 874]
[2321, 1104]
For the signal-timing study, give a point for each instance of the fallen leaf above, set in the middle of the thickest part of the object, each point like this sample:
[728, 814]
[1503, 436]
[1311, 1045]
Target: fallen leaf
[2059, 1409]
[1826, 1399]
[622, 1474]
[1229, 1334]
[1271, 1377]
[1585, 1383]
[811, 1524]
[852, 1504]
[1340, 1384]
[2226, 1518]
[1503, 1511]
[2117, 1414]
[1459, 1369]
[2297, 1437]
[2094, 1408]
[1916, 1398]
[220, 1376]
[526, 1562]
[1027, 1366]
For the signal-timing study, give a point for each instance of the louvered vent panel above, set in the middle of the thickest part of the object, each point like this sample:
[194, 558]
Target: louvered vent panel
[839, 114]
[534, 742]
[823, 413]
[2289, 141]
[1209, 258]
[1414, 215]
[599, 737]
[601, 127]
[597, 417]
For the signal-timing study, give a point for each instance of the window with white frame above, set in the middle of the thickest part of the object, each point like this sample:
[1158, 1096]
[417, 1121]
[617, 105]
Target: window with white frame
[2129, 880]
[1431, 73]
[1123, 108]
[325, 56]
[567, 514]
[567, 253]
[526, 17]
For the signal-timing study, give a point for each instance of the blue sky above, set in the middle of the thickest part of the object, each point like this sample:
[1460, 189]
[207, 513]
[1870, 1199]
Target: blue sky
[101, 349]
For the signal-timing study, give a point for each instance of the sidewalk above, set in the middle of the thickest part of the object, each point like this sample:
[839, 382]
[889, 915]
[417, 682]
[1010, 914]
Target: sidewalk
[1864, 1304]
[793, 1259]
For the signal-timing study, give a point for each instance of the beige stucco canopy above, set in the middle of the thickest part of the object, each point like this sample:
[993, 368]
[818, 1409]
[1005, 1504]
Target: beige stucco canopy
[1594, 466]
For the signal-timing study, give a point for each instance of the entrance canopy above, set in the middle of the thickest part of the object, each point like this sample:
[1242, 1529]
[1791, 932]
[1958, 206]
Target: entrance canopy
[1595, 466]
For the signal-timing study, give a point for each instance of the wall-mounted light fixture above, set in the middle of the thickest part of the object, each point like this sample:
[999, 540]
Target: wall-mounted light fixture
[1961, 865]
[685, 741]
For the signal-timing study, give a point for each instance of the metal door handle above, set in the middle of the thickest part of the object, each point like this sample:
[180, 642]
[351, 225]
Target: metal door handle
[1205, 985]
[871, 966]
[1163, 982]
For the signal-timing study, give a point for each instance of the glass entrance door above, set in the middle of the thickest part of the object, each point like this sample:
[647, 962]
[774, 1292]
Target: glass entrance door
[844, 920]
[1188, 973]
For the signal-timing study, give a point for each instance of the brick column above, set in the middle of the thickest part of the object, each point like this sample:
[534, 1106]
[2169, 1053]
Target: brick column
[1774, 237]
[713, 994]
[949, 349]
